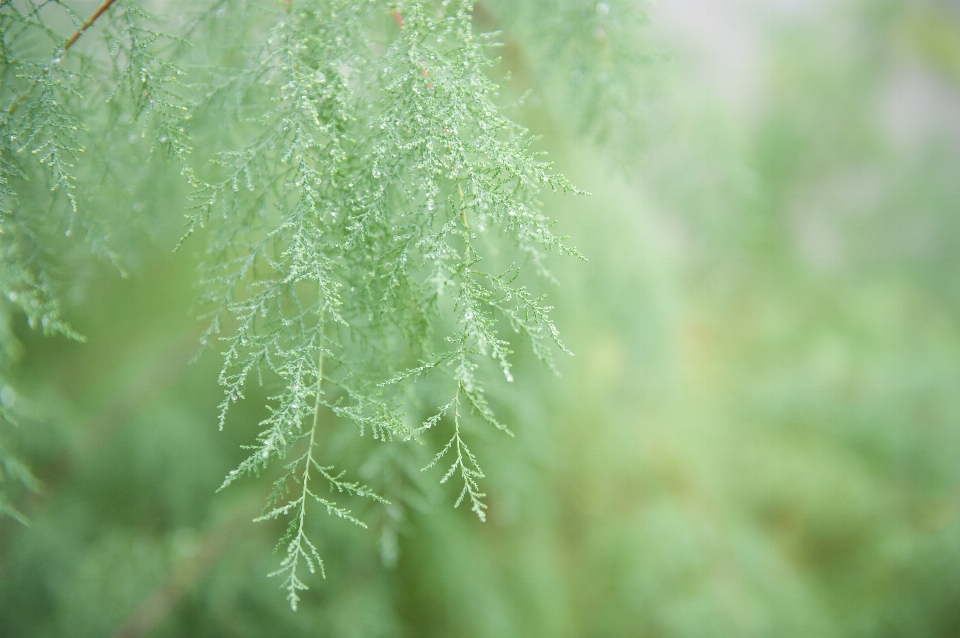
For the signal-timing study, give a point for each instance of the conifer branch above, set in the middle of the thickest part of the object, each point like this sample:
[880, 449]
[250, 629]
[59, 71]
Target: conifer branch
[363, 189]
[465, 461]
[293, 583]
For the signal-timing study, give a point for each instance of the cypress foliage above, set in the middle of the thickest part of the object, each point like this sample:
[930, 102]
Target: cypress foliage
[369, 213]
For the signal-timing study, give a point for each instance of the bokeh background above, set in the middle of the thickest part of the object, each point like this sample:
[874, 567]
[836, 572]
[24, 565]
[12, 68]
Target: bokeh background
[759, 434]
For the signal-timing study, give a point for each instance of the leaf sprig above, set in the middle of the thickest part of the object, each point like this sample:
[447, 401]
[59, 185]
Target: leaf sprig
[353, 226]
[368, 211]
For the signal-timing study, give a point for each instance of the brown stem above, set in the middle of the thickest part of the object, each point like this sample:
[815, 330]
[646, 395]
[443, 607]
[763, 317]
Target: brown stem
[87, 24]
[16, 103]
[69, 43]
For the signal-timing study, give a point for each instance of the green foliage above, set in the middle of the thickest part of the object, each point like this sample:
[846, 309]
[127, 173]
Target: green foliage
[12, 469]
[59, 102]
[378, 177]
[367, 213]
[757, 437]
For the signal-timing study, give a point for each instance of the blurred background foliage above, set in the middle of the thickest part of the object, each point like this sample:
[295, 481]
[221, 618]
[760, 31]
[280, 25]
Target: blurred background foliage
[759, 435]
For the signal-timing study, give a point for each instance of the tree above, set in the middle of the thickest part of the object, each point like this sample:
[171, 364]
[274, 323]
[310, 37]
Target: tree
[368, 208]
[756, 437]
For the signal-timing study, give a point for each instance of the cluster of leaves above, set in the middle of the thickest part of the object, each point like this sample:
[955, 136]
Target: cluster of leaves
[366, 199]
[57, 101]
[591, 53]
[346, 238]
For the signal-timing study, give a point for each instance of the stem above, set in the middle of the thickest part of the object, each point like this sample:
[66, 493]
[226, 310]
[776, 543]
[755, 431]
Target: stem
[86, 25]
[69, 43]
[456, 424]
[313, 433]
[21, 98]
[466, 224]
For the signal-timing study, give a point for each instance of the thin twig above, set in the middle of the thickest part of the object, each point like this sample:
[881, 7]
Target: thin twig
[69, 43]
[88, 24]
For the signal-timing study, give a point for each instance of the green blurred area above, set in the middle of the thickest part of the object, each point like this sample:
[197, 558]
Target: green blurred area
[759, 434]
